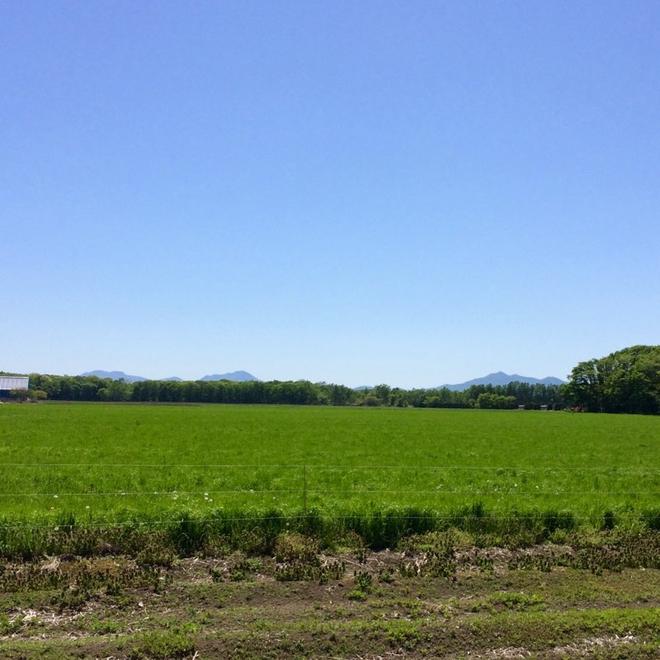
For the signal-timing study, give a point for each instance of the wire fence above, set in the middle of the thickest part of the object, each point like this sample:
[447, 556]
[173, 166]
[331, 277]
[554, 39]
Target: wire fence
[308, 485]
[325, 491]
[324, 466]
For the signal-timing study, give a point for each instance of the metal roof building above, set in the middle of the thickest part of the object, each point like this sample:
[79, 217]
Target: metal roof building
[8, 383]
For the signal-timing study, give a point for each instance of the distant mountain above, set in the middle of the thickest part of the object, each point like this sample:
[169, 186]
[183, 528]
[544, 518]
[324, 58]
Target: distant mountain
[500, 378]
[114, 375]
[239, 376]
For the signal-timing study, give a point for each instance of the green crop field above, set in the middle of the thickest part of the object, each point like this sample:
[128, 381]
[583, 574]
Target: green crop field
[115, 462]
[162, 531]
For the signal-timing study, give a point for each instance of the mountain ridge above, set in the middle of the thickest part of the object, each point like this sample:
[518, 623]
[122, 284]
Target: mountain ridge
[502, 378]
[236, 376]
[115, 375]
[240, 376]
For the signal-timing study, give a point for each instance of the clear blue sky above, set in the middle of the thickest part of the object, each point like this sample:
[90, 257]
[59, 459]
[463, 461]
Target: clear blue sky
[360, 192]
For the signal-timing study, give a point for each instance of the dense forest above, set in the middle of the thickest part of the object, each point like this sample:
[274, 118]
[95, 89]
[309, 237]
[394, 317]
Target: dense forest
[625, 381]
[91, 388]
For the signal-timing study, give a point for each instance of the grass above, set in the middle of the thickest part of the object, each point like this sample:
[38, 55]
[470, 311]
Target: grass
[81, 465]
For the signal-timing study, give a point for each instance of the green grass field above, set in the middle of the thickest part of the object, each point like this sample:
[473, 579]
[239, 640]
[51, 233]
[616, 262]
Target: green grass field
[116, 462]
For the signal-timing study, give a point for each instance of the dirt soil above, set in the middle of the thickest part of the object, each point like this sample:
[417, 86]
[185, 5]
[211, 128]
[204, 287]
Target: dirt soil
[487, 603]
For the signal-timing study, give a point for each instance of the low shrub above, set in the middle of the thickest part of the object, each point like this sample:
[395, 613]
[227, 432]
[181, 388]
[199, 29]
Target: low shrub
[164, 645]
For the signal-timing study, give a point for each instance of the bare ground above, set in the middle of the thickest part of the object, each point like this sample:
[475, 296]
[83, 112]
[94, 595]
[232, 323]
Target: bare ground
[489, 603]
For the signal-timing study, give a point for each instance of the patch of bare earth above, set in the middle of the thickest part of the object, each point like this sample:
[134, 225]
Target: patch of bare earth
[586, 647]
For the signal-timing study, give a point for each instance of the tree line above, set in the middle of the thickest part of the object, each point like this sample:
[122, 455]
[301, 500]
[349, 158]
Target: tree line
[92, 388]
[627, 381]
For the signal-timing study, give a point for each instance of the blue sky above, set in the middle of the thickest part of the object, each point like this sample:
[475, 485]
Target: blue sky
[359, 192]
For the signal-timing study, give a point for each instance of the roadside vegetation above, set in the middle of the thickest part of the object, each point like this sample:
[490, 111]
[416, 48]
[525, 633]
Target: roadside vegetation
[435, 594]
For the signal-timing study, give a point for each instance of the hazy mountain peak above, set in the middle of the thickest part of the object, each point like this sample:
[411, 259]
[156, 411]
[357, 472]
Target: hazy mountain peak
[502, 378]
[114, 375]
[239, 376]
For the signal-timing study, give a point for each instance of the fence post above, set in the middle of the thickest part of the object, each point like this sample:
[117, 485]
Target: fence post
[305, 489]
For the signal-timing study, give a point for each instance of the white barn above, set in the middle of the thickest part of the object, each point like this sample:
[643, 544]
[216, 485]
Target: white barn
[9, 383]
